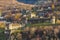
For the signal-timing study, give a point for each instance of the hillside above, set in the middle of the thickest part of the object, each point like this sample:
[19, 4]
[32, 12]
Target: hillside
[5, 3]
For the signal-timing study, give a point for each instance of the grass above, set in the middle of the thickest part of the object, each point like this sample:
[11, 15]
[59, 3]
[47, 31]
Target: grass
[2, 36]
[42, 24]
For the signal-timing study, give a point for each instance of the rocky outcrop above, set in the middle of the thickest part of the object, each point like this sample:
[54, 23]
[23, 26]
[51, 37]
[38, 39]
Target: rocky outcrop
[5, 3]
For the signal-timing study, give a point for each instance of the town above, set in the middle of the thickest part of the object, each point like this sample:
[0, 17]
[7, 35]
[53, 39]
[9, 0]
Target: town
[24, 21]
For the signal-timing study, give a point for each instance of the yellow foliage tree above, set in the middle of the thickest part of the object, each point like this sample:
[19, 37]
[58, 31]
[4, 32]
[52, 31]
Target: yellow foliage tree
[2, 25]
[53, 6]
[17, 16]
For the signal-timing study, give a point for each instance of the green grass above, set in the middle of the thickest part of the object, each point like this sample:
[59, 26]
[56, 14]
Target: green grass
[42, 24]
[2, 36]
[1, 30]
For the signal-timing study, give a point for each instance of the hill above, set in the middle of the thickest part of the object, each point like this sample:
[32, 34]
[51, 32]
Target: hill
[12, 3]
